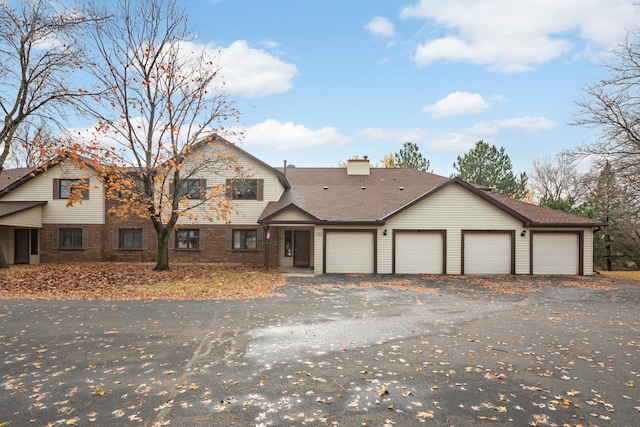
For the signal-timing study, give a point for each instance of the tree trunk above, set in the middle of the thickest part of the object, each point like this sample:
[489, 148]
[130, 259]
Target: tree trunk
[162, 260]
[609, 253]
[3, 260]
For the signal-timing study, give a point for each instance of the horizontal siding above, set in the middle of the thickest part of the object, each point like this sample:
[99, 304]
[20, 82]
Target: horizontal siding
[40, 188]
[29, 218]
[291, 215]
[245, 212]
[453, 208]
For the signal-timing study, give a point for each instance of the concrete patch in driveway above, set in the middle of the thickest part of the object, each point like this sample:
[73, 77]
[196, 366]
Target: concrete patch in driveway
[328, 352]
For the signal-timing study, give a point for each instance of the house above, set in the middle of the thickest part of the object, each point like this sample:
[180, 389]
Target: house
[356, 219]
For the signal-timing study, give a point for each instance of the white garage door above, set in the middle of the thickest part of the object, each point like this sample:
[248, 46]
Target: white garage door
[487, 253]
[349, 252]
[556, 253]
[419, 253]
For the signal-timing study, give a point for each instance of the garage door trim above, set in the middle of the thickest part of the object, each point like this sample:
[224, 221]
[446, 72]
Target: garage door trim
[443, 234]
[353, 230]
[512, 238]
[580, 234]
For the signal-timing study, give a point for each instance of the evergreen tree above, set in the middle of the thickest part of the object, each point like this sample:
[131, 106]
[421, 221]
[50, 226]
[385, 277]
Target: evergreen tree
[409, 157]
[486, 165]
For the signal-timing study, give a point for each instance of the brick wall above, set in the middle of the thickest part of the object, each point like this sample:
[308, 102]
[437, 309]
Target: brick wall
[93, 252]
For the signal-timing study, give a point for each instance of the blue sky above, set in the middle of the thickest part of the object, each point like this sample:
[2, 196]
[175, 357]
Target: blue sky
[320, 81]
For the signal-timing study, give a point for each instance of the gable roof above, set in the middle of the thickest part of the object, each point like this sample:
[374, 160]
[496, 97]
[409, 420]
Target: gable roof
[9, 176]
[13, 178]
[329, 195]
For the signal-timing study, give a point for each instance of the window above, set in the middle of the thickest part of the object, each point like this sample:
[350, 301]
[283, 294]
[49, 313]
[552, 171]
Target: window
[188, 239]
[63, 188]
[71, 238]
[131, 239]
[245, 189]
[192, 188]
[34, 241]
[245, 240]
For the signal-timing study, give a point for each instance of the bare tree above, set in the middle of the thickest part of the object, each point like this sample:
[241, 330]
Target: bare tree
[560, 178]
[611, 105]
[40, 52]
[161, 110]
[33, 145]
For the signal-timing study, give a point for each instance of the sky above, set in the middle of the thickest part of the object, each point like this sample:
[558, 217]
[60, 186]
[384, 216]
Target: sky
[318, 82]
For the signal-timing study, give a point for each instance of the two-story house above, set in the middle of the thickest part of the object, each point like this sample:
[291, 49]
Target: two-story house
[356, 219]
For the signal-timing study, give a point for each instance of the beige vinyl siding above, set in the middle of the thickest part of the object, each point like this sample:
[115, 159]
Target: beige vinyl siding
[39, 188]
[29, 218]
[245, 212]
[292, 215]
[453, 208]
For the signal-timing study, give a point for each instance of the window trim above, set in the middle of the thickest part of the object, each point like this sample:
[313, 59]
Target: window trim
[117, 239]
[173, 240]
[259, 239]
[259, 192]
[57, 188]
[58, 240]
[199, 185]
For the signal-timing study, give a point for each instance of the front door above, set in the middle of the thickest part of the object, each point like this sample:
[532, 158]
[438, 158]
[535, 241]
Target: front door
[22, 246]
[301, 240]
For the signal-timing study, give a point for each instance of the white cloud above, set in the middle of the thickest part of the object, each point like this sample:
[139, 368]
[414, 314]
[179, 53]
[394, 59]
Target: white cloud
[254, 72]
[381, 27]
[458, 103]
[515, 36]
[394, 135]
[527, 124]
[290, 136]
[487, 131]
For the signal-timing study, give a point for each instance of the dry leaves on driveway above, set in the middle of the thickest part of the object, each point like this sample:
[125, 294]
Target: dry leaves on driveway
[134, 281]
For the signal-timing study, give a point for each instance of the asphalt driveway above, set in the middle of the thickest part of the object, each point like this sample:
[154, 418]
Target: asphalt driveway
[331, 350]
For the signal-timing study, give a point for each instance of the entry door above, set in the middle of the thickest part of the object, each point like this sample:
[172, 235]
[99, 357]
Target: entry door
[22, 246]
[301, 240]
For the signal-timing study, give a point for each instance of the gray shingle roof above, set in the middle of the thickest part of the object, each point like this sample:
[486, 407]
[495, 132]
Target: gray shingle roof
[330, 195]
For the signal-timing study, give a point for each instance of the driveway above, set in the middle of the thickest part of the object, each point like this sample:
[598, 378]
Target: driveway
[334, 351]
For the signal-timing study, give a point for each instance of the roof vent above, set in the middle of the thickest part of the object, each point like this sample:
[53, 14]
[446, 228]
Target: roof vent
[363, 187]
[401, 188]
[326, 187]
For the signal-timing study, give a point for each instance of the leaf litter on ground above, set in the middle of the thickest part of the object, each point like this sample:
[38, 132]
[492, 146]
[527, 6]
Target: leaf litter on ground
[137, 281]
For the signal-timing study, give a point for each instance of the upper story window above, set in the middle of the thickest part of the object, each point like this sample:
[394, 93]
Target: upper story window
[245, 189]
[192, 188]
[63, 188]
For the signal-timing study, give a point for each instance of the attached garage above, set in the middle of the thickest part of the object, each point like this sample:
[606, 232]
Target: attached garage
[488, 252]
[350, 251]
[419, 252]
[556, 253]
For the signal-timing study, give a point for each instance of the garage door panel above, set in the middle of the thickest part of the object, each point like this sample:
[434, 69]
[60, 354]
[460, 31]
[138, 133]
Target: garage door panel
[556, 253]
[419, 253]
[487, 253]
[349, 252]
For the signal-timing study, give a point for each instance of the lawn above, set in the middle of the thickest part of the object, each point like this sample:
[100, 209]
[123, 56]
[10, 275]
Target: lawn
[133, 281]
[631, 275]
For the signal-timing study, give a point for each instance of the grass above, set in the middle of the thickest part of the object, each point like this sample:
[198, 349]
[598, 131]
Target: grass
[631, 275]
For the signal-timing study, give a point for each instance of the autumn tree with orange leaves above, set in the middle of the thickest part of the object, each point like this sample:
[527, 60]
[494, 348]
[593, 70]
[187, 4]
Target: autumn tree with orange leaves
[157, 120]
